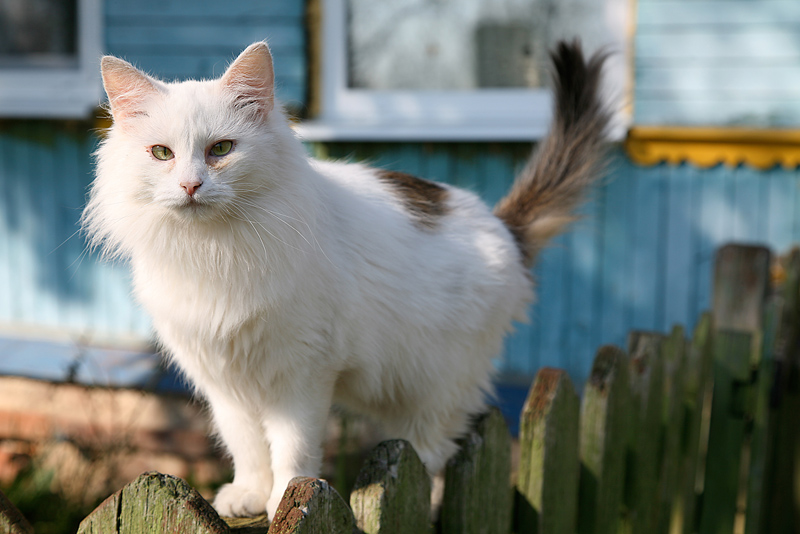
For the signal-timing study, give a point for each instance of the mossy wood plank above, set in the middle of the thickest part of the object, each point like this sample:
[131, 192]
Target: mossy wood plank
[11, 520]
[392, 493]
[698, 387]
[732, 352]
[154, 503]
[547, 481]
[783, 513]
[311, 506]
[603, 436]
[763, 424]
[477, 493]
[646, 378]
[673, 358]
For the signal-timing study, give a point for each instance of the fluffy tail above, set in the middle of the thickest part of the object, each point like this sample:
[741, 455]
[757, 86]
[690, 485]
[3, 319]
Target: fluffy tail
[541, 201]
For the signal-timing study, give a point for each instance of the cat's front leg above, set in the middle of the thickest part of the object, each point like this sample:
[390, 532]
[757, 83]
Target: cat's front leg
[295, 429]
[242, 435]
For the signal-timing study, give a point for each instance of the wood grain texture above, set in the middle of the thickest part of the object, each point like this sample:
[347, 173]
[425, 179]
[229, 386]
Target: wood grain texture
[310, 506]
[547, 482]
[11, 520]
[477, 494]
[392, 494]
[154, 503]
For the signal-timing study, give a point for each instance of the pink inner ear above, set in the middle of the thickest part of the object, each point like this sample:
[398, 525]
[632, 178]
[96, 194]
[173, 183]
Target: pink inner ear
[128, 88]
[251, 77]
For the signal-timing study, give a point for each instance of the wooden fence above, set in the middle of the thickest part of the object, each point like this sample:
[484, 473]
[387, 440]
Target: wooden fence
[675, 436]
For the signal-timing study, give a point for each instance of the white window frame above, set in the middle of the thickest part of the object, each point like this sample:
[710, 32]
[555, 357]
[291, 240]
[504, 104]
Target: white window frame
[58, 92]
[404, 115]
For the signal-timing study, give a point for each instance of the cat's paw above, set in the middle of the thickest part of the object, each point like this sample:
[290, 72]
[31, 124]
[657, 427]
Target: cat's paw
[239, 501]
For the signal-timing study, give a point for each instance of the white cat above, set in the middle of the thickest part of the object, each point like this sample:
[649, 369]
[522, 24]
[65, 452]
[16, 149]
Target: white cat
[280, 284]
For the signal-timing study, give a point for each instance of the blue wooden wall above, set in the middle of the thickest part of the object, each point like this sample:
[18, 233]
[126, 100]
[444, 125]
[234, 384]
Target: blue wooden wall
[718, 62]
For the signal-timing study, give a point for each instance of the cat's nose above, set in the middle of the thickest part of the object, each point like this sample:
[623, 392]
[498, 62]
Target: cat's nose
[191, 186]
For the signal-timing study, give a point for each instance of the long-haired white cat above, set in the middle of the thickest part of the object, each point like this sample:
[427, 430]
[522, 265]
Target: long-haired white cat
[280, 284]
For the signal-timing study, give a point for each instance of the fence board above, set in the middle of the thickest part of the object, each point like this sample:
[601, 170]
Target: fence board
[547, 483]
[603, 433]
[673, 355]
[392, 493]
[154, 503]
[698, 385]
[477, 492]
[11, 520]
[646, 375]
[310, 506]
[783, 501]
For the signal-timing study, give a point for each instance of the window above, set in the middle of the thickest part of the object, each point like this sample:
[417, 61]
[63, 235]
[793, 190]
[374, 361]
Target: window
[451, 69]
[49, 58]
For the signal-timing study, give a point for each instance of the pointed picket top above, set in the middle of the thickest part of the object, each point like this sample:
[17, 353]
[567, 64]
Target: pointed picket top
[646, 378]
[392, 493]
[310, 506]
[603, 437]
[547, 483]
[11, 520]
[154, 503]
[477, 493]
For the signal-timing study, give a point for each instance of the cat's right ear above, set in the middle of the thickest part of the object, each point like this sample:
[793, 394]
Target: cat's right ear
[127, 88]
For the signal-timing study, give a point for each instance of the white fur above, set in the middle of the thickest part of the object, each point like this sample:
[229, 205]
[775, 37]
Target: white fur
[299, 283]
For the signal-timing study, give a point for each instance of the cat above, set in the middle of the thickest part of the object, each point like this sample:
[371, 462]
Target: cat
[280, 284]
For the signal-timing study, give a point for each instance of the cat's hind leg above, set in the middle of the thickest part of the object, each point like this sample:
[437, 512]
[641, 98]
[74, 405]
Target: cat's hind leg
[242, 435]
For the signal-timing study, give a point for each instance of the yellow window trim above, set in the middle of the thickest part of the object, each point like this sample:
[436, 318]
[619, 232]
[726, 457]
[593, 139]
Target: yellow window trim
[708, 147]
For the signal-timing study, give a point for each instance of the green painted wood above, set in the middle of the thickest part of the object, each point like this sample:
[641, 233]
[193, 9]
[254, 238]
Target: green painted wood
[782, 511]
[697, 395]
[11, 520]
[646, 375]
[392, 494]
[154, 503]
[605, 415]
[547, 479]
[741, 284]
[673, 357]
[763, 423]
[311, 506]
[731, 371]
[477, 492]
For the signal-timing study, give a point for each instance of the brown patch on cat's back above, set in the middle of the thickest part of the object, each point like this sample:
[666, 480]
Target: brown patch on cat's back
[424, 200]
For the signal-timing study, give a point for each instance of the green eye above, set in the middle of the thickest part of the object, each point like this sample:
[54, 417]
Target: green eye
[161, 152]
[222, 148]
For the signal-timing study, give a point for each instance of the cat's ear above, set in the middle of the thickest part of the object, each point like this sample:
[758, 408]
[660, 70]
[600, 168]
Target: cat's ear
[127, 87]
[251, 79]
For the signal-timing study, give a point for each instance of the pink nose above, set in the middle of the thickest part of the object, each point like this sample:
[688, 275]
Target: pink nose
[191, 187]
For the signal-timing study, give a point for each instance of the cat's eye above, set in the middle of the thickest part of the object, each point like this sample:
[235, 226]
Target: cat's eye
[161, 152]
[222, 148]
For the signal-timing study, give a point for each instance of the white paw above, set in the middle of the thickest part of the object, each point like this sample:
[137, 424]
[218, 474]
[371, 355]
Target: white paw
[240, 501]
[272, 504]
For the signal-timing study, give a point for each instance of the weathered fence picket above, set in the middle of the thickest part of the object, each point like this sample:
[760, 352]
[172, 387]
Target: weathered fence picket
[11, 520]
[547, 483]
[392, 494]
[603, 436]
[646, 375]
[477, 491]
[696, 436]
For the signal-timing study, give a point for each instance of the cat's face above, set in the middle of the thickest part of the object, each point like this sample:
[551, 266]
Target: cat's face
[189, 147]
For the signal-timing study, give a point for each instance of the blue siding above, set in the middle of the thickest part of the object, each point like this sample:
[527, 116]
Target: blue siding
[197, 39]
[718, 62]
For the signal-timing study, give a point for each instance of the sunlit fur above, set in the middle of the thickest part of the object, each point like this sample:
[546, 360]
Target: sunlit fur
[285, 284]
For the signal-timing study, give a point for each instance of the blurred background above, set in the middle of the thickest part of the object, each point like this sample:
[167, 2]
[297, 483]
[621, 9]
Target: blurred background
[706, 149]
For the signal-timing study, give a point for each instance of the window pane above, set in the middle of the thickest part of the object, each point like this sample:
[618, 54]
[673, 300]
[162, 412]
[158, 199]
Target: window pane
[38, 32]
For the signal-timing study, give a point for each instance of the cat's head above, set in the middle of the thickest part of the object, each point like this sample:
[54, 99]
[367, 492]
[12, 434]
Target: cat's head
[192, 149]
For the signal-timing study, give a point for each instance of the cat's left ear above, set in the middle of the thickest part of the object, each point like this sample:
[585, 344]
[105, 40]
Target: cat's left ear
[251, 78]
